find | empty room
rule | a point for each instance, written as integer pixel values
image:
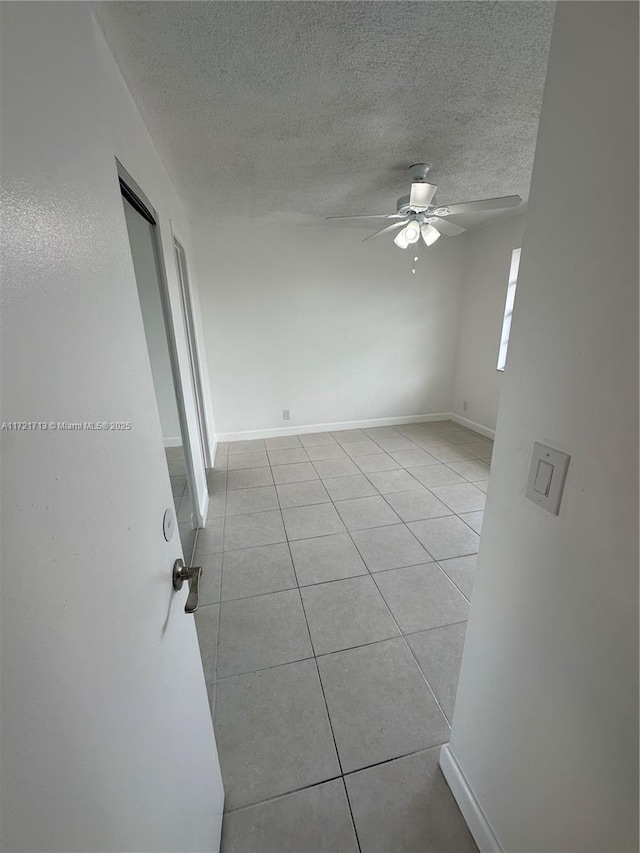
(319, 426)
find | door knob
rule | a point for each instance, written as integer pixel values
(191, 574)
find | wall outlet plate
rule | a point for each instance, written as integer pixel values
(286, 415)
(547, 473)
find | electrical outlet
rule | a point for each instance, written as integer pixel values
(465, 405)
(286, 415)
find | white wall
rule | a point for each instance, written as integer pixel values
(488, 257)
(546, 721)
(317, 322)
(106, 737)
(134, 148)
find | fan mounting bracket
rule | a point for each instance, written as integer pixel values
(419, 171)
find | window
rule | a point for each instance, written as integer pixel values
(508, 308)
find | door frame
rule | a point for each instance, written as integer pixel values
(136, 197)
(189, 317)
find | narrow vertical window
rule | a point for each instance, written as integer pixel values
(508, 308)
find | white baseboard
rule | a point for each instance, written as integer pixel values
(475, 818)
(483, 430)
(172, 441)
(301, 430)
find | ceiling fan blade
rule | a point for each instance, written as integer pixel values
(368, 216)
(386, 230)
(445, 227)
(483, 204)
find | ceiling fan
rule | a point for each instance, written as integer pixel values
(419, 214)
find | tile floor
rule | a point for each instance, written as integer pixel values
(338, 570)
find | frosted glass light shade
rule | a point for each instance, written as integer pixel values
(429, 234)
(400, 240)
(412, 232)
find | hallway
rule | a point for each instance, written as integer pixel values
(338, 570)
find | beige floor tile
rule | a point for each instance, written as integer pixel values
(379, 704)
(273, 733)
(389, 547)
(256, 528)
(366, 512)
(306, 493)
(461, 497)
(243, 501)
(257, 571)
(305, 522)
(445, 537)
(462, 571)
(416, 505)
(346, 613)
(260, 632)
(422, 597)
(405, 806)
(345, 488)
(439, 655)
(326, 558)
(314, 820)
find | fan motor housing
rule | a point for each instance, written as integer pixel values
(419, 171)
(403, 206)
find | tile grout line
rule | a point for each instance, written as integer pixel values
(321, 583)
(403, 468)
(400, 521)
(277, 797)
(393, 617)
(315, 655)
(395, 621)
(357, 530)
(446, 463)
(468, 600)
(324, 698)
(339, 651)
(451, 511)
(343, 777)
(333, 502)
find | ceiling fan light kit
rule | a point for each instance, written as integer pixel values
(429, 233)
(412, 231)
(420, 214)
(400, 240)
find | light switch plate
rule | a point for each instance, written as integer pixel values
(544, 486)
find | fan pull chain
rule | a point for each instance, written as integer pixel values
(415, 261)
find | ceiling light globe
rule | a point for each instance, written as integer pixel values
(429, 234)
(400, 239)
(412, 232)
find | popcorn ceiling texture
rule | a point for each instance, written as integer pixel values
(276, 109)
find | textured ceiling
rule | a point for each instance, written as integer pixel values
(270, 109)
